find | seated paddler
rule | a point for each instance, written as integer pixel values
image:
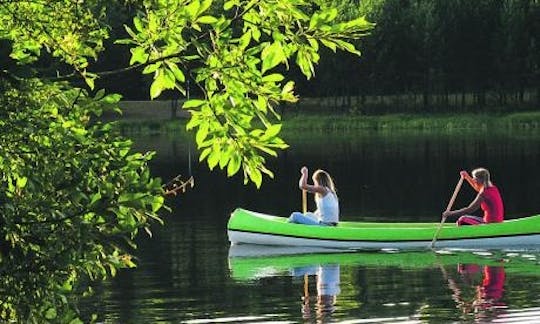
(324, 190)
(488, 199)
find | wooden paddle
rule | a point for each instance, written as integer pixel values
(306, 278)
(450, 203)
(304, 201)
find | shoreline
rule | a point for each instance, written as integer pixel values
(347, 123)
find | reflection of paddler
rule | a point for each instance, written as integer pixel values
(327, 289)
(491, 291)
(328, 281)
(488, 293)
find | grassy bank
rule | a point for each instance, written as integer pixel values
(528, 120)
(351, 123)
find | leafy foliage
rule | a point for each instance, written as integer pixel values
(233, 53)
(73, 195)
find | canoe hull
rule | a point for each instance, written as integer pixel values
(250, 227)
(510, 242)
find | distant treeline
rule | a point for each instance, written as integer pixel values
(439, 55)
(422, 56)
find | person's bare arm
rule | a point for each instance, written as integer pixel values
(303, 184)
(465, 175)
(473, 206)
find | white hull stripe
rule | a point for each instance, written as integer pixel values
(527, 240)
(397, 240)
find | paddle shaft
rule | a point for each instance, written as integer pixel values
(304, 201)
(306, 278)
(454, 195)
(450, 204)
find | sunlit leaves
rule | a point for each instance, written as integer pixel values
(67, 30)
(74, 195)
(239, 49)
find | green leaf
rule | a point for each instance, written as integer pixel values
(204, 6)
(89, 80)
(304, 62)
(314, 44)
(21, 182)
(193, 103)
(229, 4)
(256, 33)
(234, 164)
(275, 77)
(138, 55)
(168, 79)
(130, 197)
(157, 87)
(207, 20)
(194, 121)
(288, 88)
(157, 203)
(226, 156)
(193, 8)
(262, 103)
(51, 314)
(137, 22)
(330, 44)
(95, 197)
(178, 74)
(202, 133)
(78, 321)
(256, 176)
(272, 131)
(266, 150)
(245, 40)
(272, 56)
(204, 153)
(213, 158)
(151, 68)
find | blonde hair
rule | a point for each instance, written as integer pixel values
(482, 175)
(324, 179)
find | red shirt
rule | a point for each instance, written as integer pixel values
(492, 205)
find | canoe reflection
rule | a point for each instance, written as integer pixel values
(476, 279)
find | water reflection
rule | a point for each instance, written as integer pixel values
(486, 283)
(327, 278)
(476, 282)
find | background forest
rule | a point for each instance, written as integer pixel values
(422, 56)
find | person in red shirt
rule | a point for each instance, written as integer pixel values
(488, 199)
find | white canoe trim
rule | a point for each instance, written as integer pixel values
(525, 241)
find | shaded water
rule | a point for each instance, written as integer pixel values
(188, 273)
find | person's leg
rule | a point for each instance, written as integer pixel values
(307, 218)
(469, 220)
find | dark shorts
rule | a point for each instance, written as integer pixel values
(328, 223)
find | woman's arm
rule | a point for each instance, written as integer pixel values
(476, 186)
(303, 185)
(473, 206)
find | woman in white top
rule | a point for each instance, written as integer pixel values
(327, 212)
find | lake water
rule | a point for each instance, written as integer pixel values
(188, 273)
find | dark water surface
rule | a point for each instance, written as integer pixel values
(188, 272)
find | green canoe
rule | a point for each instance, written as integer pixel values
(251, 227)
